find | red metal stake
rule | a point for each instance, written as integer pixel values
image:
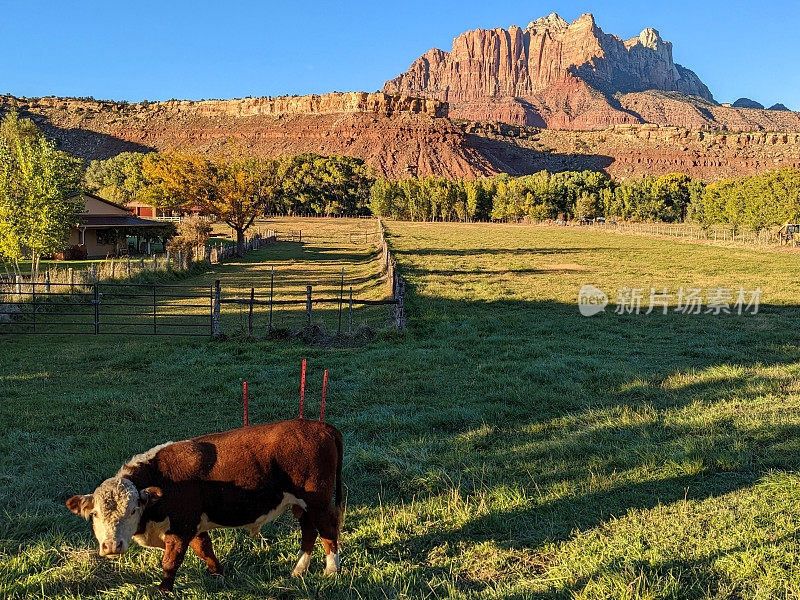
(302, 387)
(324, 387)
(244, 385)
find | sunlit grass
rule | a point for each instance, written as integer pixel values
(505, 447)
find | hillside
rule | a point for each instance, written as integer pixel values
(399, 137)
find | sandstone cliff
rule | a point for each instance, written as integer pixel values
(571, 76)
(518, 62)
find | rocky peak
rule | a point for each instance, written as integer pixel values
(650, 38)
(551, 21)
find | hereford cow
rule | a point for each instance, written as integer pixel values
(171, 496)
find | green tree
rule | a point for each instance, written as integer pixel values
(383, 198)
(14, 129)
(38, 197)
(119, 178)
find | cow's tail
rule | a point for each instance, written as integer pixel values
(338, 500)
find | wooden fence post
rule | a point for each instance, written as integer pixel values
(19, 286)
(250, 316)
(94, 272)
(71, 274)
(215, 324)
(47, 281)
(180, 260)
(155, 262)
(271, 287)
(308, 306)
(400, 308)
(341, 298)
(96, 302)
(350, 316)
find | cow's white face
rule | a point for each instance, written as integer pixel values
(115, 509)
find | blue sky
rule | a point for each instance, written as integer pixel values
(192, 50)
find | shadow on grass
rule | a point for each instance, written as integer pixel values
(578, 420)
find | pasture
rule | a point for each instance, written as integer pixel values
(504, 447)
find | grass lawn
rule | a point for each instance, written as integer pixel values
(505, 447)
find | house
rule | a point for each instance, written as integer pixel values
(142, 209)
(104, 226)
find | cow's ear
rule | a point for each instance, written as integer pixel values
(150, 495)
(81, 505)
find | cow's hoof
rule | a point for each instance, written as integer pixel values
(302, 564)
(332, 563)
(164, 589)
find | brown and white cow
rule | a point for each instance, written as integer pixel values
(171, 496)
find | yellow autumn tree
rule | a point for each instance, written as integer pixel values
(235, 192)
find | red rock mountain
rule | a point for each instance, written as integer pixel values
(569, 76)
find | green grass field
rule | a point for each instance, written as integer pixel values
(504, 447)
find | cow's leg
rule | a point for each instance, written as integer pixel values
(204, 549)
(309, 534)
(327, 524)
(174, 552)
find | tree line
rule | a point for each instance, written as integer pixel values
(755, 202)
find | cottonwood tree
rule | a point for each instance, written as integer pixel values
(38, 194)
(236, 192)
(118, 178)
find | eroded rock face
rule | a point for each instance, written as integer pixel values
(323, 104)
(539, 63)
(519, 62)
(563, 75)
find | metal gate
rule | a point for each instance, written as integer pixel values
(106, 308)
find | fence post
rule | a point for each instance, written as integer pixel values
(350, 316)
(308, 306)
(141, 263)
(19, 286)
(94, 272)
(215, 325)
(96, 303)
(401, 310)
(33, 294)
(271, 287)
(154, 309)
(341, 297)
(250, 316)
(71, 274)
(129, 267)
(47, 281)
